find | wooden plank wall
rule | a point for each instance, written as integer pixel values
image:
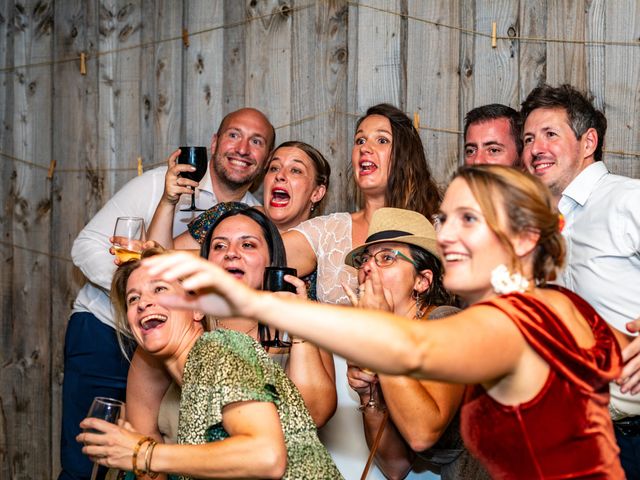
(313, 66)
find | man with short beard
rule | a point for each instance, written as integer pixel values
(93, 363)
(563, 141)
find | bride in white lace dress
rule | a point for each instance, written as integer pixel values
(390, 170)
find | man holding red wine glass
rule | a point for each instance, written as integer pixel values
(93, 363)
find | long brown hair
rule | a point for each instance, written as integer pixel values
(410, 185)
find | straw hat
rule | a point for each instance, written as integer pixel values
(398, 225)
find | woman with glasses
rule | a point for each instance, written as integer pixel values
(399, 270)
(390, 170)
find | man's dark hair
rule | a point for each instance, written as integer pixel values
(581, 113)
(495, 111)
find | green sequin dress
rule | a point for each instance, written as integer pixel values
(226, 366)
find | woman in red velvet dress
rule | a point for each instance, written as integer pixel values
(539, 356)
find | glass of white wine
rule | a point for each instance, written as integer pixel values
(108, 409)
(128, 237)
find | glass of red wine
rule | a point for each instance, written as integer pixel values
(196, 157)
(274, 282)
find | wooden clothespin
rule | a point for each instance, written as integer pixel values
(494, 37)
(185, 37)
(52, 167)
(83, 63)
(416, 120)
(139, 166)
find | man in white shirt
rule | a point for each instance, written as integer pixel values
(94, 365)
(493, 134)
(563, 139)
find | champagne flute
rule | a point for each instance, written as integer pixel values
(196, 157)
(108, 409)
(129, 233)
(274, 282)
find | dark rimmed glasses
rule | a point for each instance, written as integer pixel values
(384, 258)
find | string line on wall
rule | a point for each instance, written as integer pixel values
(33, 250)
(288, 10)
(183, 37)
(493, 35)
(137, 167)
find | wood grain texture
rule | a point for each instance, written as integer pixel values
(319, 88)
(203, 71)
(268, 61)
(622, 67)
(313, 66)
(432, 57)
(119, 27)
(26, 346)
(77, 195)
(566, 61)
(532, 54)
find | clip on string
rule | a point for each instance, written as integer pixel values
(185, 37)
(494, 38)
(83, 63)
(139, 166)
(416, 120)
(52, 167)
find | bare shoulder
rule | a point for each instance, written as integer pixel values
(568, 313)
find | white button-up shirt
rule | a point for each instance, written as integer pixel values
(138, 198)
(602, 233)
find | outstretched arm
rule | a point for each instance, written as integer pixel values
(381, 341)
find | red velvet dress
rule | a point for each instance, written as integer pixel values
(565, 431)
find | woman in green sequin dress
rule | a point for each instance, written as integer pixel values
(240, 415)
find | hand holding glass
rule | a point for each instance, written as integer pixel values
(129, 235)
(274, 282)
(109, 410)
(197, 158)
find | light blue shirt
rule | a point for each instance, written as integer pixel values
(602, 233)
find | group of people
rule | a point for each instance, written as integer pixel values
(520, 369)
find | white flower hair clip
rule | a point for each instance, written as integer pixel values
(503, 281)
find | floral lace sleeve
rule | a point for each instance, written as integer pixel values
(330, 239)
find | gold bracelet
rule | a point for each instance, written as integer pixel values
(148, 455)
(134, 457)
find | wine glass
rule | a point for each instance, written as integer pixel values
(274, 282)
(108, 409)
(129, 234)
(372, 401)
(196, 157)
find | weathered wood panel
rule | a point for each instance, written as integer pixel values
(433, 79)
(203, 71)
(319, 88)
(380, 65)
(76, 194)
(268, 61)
(566, 61)
(312, 65)
(622, 102)
(118, 128)
(26, 362)
(7, 170)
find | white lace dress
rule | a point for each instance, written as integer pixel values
(330, 238)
